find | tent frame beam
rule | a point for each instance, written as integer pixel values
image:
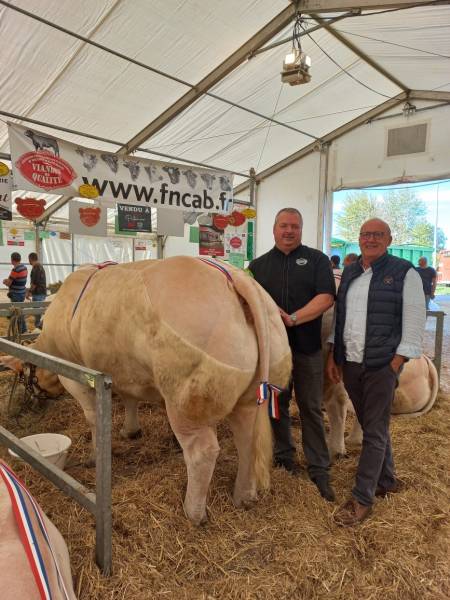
(330, 137)
(323, 6)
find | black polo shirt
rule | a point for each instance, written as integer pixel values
(293, 280)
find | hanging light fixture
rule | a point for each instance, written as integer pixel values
(408, 109)
(297, 63)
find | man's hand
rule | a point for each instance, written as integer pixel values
(28, 294)
(333, 371)
(286, 318)
(397, 362)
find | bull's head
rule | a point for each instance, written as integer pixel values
(36, 379)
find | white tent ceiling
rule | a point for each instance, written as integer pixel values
(50, 76)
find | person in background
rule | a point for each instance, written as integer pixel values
(349, 259)
(335, 265)
(428, 276)
(301, 283)
(38, 285)
(17, 283)
(335, 261)
(379, 325)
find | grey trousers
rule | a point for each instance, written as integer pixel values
(307, 381)
(372, 393)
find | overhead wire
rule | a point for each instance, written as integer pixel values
(268, 129)
(366, 37)
(346, 71)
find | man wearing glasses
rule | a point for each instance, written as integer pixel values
(379, 324)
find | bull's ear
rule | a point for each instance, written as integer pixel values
(12, 362)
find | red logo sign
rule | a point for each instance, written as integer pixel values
(90, 216)
(30, 208)
(220, 221)
(236, 218)
(235, 242)
(45, 170)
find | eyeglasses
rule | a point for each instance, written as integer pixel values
(377, 235)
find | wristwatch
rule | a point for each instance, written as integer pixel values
(293, 317)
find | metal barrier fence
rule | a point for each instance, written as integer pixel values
(438, 338)
(98, 503)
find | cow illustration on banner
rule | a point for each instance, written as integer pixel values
(43, 162)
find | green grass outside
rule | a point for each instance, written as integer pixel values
(442, 290)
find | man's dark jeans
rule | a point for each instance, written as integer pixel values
(307, 381)
(372, 392)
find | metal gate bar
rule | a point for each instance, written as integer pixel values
(99, 504)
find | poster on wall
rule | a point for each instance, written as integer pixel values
(87, 219)
(5, 193)
(211, 236)
(43, 162)
(134, 218)
(15, 237)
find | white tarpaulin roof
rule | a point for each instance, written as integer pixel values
(52, 77)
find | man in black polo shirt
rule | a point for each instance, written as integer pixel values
(300, 281)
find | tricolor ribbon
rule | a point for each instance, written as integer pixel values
(217, 265)
(33, 533)
(269, 392)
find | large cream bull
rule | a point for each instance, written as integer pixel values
(182, 330)
(414, 396)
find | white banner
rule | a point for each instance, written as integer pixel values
(44, 162)
(5, 193)
(87, 219)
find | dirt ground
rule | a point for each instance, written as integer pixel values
(285, 547)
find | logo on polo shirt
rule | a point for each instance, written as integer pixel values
(388, 280)
(301, 261)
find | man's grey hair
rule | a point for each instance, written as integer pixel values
(293, 211)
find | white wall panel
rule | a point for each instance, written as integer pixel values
(296, 186)
(359, 158)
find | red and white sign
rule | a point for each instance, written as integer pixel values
(45, 171)
(87, 219)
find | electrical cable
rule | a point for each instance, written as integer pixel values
(347, 72)
(366, 37)
(268, 129)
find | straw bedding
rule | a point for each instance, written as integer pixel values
(286, 546)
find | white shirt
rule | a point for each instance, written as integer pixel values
(413, 319)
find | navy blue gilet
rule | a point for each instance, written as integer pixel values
(384, 310)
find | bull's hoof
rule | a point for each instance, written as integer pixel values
(338, 456)
(245, 502)
(131, 435)
(196, 519)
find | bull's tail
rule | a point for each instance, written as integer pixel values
(262, 448)
(250, 291)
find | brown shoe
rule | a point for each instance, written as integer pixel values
(351, 513)
(382, 492)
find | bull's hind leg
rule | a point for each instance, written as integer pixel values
(200, 450)
(131, 428)
(242, 422)
(86, 398)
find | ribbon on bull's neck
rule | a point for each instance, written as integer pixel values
(99, 267)
(33, 533)
(269, 392)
